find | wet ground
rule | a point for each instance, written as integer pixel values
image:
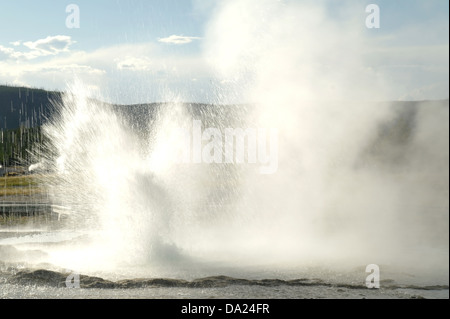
(27, 271)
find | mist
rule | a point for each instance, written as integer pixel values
(358, 180)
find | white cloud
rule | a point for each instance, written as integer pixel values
(177, 39)
(112, 69)
(5, 52)
(134, 63)
(24, 71)
(51, 45)
(73, 68)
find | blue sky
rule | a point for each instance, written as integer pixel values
(150, 50)
(102, 22)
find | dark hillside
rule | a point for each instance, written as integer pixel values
(25, 107)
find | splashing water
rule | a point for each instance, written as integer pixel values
(340, 194)
(125, 187)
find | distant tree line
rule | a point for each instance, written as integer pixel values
(21, 146)
(28, 107)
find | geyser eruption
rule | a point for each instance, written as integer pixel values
(356, 182)
(341, 193)
(103, 177)
(124, 185)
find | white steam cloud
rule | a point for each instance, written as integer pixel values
(358, 181)
(331, 198)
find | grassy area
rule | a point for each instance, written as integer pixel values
(19, 181)
(21, 191)
(35, 220)
(21, 185)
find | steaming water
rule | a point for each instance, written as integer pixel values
(135, 212)
(357, 182)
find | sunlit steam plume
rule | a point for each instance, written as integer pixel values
(357, 181)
